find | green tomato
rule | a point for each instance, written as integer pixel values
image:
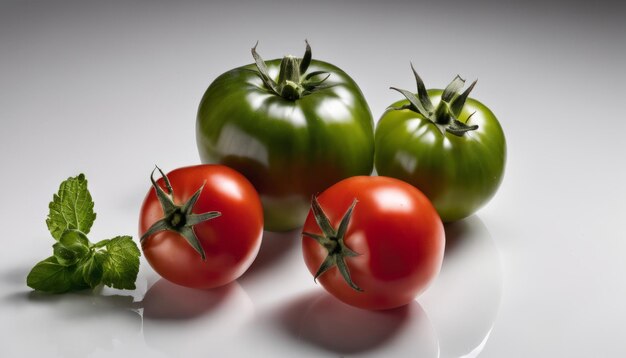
(293, 127)
(446, 144)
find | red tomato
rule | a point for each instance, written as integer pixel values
(388, 249)
(229, 235)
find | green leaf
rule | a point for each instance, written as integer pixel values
(71, 247)
(71, 208)
(101, 243)
(121, 263)
(64, 256)
(77, 264)
(92, 270)
(50, 276)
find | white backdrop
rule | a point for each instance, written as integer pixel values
(99, 86)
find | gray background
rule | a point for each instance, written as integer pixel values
(110, 88)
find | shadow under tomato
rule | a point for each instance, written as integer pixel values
(456, 234)
(180, 321)
(168, 301)
(321, 320)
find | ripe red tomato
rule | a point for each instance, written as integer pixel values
(373, 242)
(209, 234)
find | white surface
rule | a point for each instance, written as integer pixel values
(98, 87)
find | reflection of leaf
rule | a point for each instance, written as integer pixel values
(97, 323)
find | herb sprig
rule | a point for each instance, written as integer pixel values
(76, 263)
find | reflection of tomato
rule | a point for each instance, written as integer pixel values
(373, 242)
(469, 286)
(332, 326)
(229, 241)
(220, 315)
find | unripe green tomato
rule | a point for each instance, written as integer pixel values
(458, 173)
(289, 148)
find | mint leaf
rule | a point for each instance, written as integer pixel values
(71, 208)
(64, 256)
(121, 264)
(76, 263)
(50, 276)
(71, 247)
(91, 270)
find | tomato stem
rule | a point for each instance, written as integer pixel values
(445, 115)
(333, 241)
(178, 218)
(291, 90)
(291, 84)
(289, 70)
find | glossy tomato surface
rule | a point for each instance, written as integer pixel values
(289, 149)
(459, 174)
(395, 231)
(230, 241)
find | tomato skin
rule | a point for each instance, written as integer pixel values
(396, 232)
(230, 241)
(459, 174)
(289, 150)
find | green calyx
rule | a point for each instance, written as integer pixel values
(333, 241)
(178, 218)
(293, 82)
(445, 115)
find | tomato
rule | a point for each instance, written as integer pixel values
(448, 145)
(293, 127)
(201, 226)
(373, 242)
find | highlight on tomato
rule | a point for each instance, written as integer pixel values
(201, 226)
(445, 143)
(292, 126)
(373, 242)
